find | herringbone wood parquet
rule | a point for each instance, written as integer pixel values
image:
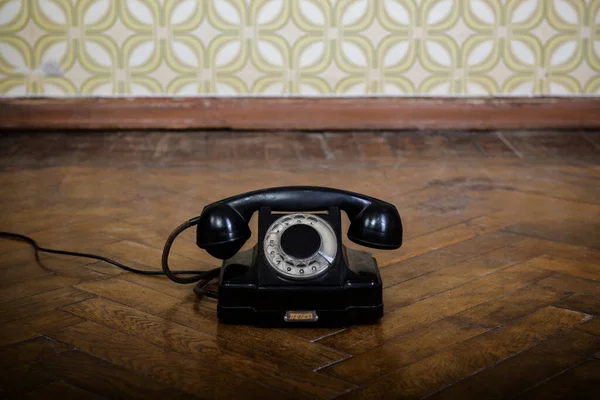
(494, 294)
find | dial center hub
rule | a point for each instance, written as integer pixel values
(300, 241)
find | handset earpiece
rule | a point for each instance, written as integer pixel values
(221, 231)
(377, 226)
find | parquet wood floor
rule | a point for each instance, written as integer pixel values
(494, 294)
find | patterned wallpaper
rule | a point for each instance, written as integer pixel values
(299, 47)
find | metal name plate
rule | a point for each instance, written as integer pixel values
(301, 316)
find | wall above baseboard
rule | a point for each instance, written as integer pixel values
(299, 113)
(300, 48)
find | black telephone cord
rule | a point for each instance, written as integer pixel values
(201, 277)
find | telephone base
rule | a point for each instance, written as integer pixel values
(349, 293)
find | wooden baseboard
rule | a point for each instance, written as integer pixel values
(299, 113)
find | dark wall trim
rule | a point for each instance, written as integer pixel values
(299, 113)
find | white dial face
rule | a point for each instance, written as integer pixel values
(311, 255)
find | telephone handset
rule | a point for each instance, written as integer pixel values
(298, 272)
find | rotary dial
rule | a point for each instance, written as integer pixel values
(300, 246)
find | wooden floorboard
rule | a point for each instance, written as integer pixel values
(241, 359)
(59, 389)
(537, 364)
(494, 294)
(442, 369)
(580, 382)
(104, 378)
(162, 365)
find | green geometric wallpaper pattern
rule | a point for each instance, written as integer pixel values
(299, 47)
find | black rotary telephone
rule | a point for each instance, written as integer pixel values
(299, 272)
